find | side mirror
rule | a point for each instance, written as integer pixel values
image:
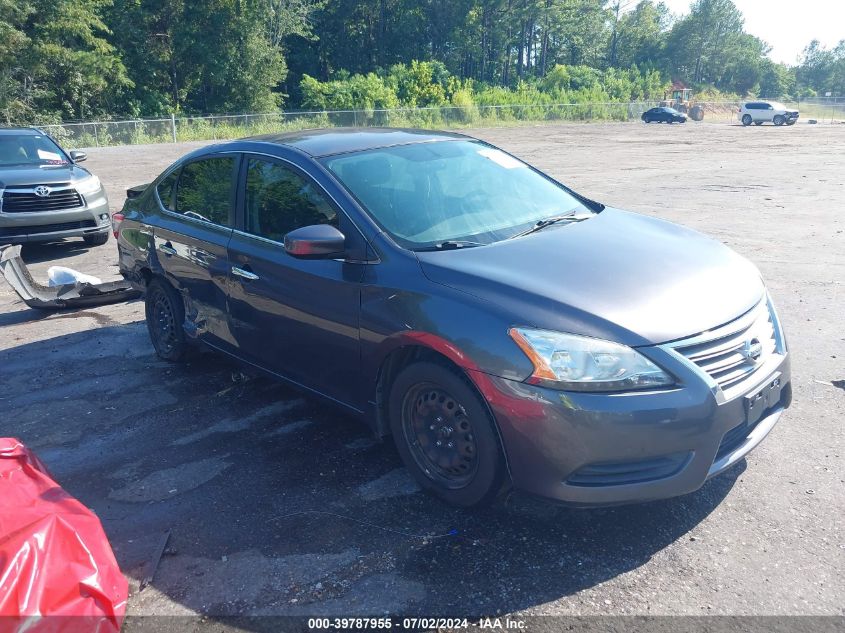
(319, 241)
(77, 156)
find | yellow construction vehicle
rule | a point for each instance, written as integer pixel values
(679, 96)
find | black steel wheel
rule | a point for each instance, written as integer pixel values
(440, 435)
(165, 314)
(445, 435)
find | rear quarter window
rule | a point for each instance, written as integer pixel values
(166, 188)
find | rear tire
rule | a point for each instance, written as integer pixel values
(778, 120)
(445, 435)
(98, 239)
(746, 120)
(165, 312)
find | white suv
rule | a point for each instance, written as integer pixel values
(759, 112)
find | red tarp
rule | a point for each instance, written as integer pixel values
(55, 559)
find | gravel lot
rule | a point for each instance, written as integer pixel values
(278, 504)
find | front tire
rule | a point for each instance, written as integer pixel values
(778, 120)
(98, 239)
(165, 312)
(445, 435)
(746, 120)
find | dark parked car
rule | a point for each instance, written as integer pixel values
(503, 328)
(45, 195)
(664, 115)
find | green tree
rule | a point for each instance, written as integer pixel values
(640, 36)
(15, 99)
(701, 44)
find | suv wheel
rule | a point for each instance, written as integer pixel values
(778, 120)
(98, 239)
(165, 313)
(445, 435)
(746, 119)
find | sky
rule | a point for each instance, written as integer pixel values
(786, 25)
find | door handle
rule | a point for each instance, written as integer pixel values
(167, 249)
(246, 274)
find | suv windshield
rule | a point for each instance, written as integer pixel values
(30, 149)
(426, 194)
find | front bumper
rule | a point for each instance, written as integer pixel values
(46, 226)
(606, 449)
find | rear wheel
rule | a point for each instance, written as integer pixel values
(98, 239)
(746, 119)
(165, 312)
(445, 435)
(778, 120)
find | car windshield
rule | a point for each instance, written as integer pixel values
(428, 194)
(30, 149)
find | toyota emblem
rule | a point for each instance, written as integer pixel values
(41, 191)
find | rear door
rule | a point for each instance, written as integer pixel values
(191, 240)
(295, 317)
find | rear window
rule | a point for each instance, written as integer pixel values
(205, 190)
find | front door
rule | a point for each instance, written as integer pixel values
(191, 241)
(295, 317)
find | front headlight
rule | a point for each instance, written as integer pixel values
(580, 363)
(89, 185)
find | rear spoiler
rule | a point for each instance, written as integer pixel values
(76, 295)
(136, 191)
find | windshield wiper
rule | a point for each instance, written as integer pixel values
(450, 245)
(541, 224)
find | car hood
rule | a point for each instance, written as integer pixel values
(618, 275)
(44, 175)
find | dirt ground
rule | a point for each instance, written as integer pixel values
(278, 504)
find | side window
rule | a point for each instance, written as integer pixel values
(279, 200)
(205, 190)
(166, 188)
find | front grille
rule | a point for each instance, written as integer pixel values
(24, 202)
(724, 353)
(15, 231)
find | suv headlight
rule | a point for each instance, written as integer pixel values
(580, 363)
(89, 185)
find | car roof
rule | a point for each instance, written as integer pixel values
(325, 142)
(18, 130)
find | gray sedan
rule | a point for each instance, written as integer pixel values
(504, 329)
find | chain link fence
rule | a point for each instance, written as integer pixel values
(176, 129)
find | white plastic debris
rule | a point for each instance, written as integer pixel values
(59, 276)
